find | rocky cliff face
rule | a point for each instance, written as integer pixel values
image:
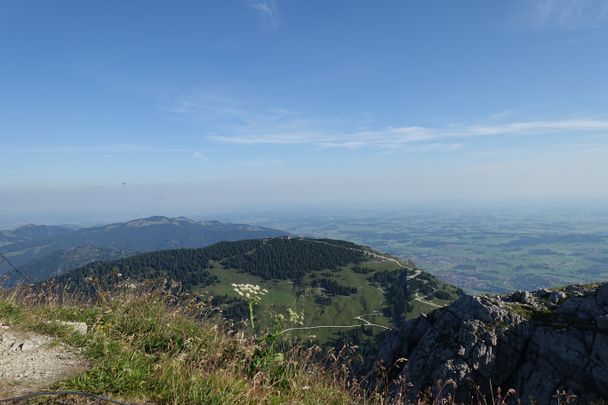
(535, 342)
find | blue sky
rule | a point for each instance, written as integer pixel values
(199, 105)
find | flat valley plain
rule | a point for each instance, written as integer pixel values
(479, 250)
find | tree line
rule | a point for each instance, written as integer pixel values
(278, 258)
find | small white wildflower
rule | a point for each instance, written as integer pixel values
(252, 293)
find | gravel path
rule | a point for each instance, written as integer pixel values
(31, 362)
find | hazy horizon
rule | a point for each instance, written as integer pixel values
(263, 214)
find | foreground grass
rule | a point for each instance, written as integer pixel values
(147, 346)
(142, 348)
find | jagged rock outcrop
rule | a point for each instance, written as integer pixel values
(535, 342)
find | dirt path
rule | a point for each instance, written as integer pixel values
(415, 274)
(379, 256)
(31, 362)
(423, 300)
(368, 323)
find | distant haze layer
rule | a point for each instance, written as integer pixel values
(566, 179)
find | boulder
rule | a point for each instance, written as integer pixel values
(79, 327)
(523, 297)
(556, 297)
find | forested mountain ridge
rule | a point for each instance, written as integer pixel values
(270, 259)
(330, 281)
(45, 243)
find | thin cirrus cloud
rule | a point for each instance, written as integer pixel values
(432, 137)
(199, 156)
(565, 15)
(267, 10)
(257, 163)
(107, 148)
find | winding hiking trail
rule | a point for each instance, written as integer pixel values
(31, 362)
(414, 274)
(424, 301)
(399, 263)
(368, 323)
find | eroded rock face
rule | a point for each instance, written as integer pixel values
(535, 342)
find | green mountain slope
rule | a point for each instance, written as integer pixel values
(334, 283)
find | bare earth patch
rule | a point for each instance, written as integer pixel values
(31, 362)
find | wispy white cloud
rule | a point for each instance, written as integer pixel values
(237, 120)
(565, 14)
(100, 149)
(268, 11)
(257, 163)
(225, 114)
(431, 137)
(199, 156)
(500, 115)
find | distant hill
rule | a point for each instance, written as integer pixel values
(45, 243)
(31, 231)
(62, 261)
(331, 281)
